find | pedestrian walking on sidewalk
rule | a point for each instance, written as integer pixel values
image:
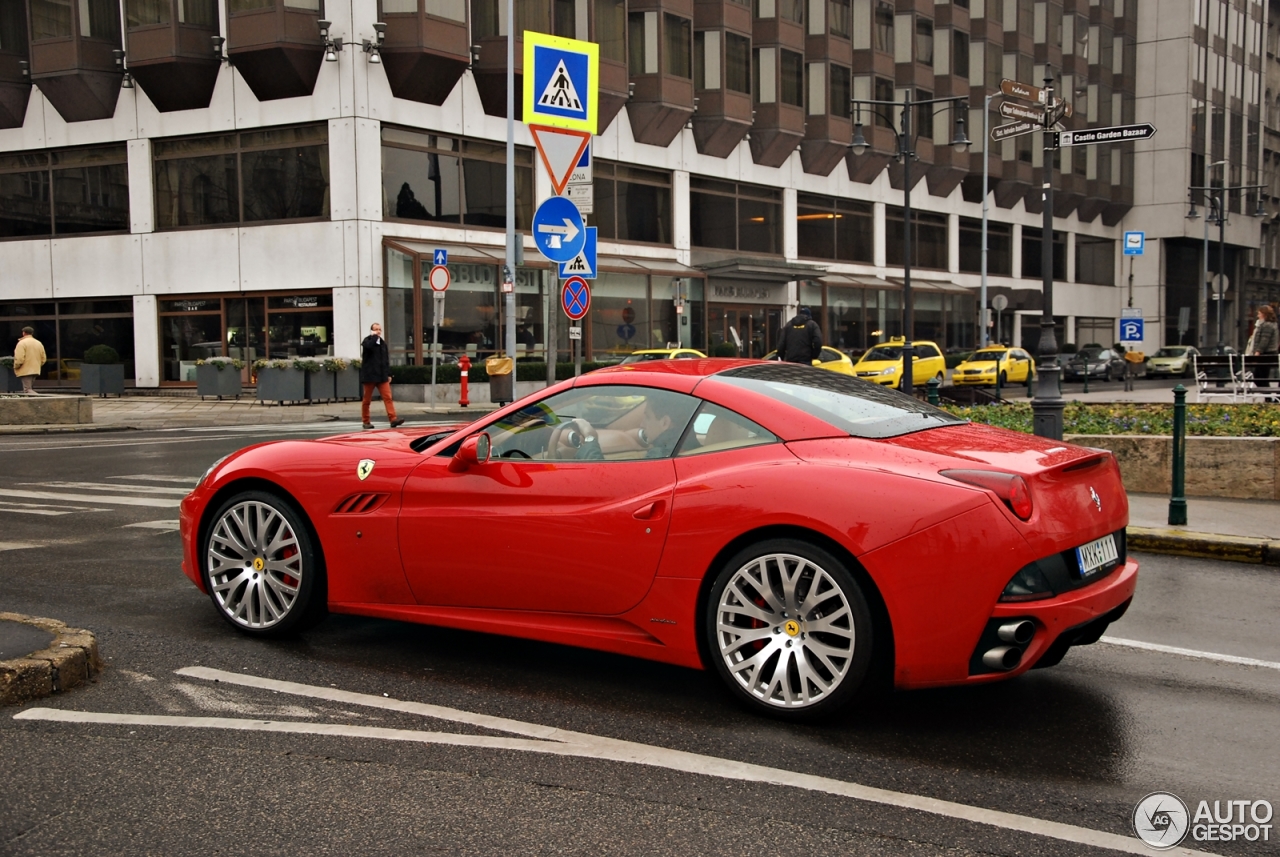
(1265, 341)
(375, 371)
(28, 359)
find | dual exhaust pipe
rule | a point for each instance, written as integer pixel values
(1015, 635)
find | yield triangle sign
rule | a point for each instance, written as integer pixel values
(561, 149)
(560, 91)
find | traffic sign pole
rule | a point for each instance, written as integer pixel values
(1048, 404)
(437, 312)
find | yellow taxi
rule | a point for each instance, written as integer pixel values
(882, 364)
(647, 354)
(832, 360)
(1012, 364)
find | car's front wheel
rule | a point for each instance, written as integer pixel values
(789, 630)
(261, 566)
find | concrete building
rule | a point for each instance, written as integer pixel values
(264, 178)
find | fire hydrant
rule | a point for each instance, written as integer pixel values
(464, 363)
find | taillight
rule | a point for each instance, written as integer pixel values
(1009, 487)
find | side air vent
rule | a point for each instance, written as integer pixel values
(359, 504)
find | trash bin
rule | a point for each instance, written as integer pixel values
(501, 379)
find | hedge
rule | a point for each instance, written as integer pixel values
(449, 373)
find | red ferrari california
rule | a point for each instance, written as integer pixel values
(807, 535)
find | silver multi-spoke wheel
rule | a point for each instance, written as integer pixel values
(788, 627)
(256, 564)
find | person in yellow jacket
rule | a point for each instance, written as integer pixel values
(28, 359)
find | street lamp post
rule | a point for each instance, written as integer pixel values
(1048, 404)
(906, 154)
(1217, 197)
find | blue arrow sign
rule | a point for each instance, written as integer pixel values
(442, 257)
(1131, 330)
(1134, 243)
(626, 331)
(558, 230)
(584, 264)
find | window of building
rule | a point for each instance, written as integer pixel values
(64, 192)
(884, 92)
(884, 26)
(611, 29)
(642, 42)
(924, 115)
(999, 247)
(838, 12)
(733, 216)
(834, 228)
(67, 329)
(632, 204)
(792, 77)
(840, 91)
(928, 238)
(737, 63)
(253, 176)
(924, 41)
(1095, 260)
(678, 43)
(452, 180)
(1032, 250)
(960, 53)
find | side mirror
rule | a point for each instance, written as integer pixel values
(474, 450)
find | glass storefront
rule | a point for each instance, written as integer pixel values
(67, 329)
(854, 318)
(248, 328)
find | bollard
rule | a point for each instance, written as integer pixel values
(1178, 502)
(997, 380)
(464, 364)
(931, 391)
(1086, 376)
(1030, 376)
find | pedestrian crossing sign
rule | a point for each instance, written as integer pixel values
(584, 264)
(561, 81)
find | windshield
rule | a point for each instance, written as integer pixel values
(851, 405)
(987, 355)
(1088, 354)
(1171, 352)
(884, 352)
(640, 357)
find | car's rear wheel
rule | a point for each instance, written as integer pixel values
(261, 566)
(789, 630)
(1107, 375)
(1004, 379)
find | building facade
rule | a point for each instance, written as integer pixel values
(263, 179)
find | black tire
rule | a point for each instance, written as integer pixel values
(836, 654)
(1107, 377)
(1004, 379)
(269, 580)
(1186, 373)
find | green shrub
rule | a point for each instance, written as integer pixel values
(724, 349)
(1203, 420)
(101, 355)
(1069, 348)
(954, 360)
(449, 373)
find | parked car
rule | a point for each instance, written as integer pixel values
(1096, 363)
(646, 354)
(639, 511)
(832, 359)
(882, 364)
(1011, 365)
(1173, 360)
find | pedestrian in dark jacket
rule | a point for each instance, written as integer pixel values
(375, 371)
(801, 339)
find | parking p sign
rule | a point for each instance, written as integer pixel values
(1131, 327)
(1134, 243)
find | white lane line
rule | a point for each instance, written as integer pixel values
(547, 739)
(17, 546)
(1191, 653)
(141, 477)
(107, 486)
(44, 509)
(158, 502)
(155, 525)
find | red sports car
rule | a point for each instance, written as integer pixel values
(809, 536)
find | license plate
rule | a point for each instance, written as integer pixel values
(1096, 554)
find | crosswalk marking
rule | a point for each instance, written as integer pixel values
(103, 486)
(118, 500)
(180, 480)
(17, 546)
(46, 509)
(155, 525)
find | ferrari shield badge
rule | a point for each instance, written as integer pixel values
(364, 468)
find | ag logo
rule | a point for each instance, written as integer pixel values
(792, 628)
(1160, 820)
(364, 468)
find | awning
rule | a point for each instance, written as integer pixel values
(931, 284)
(495, 254)
(861, 280)
(753, 268)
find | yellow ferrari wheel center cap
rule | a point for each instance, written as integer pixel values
(792, 628)
(259, 565)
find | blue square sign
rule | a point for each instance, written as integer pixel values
(1134, 243)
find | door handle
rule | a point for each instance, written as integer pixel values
(650, 511)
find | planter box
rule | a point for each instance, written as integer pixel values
(282, 385)
(212, 381)
(447, 395)
(1244, 468)
(102, 379)
(9, 382)
(45, 410)
(346, 384)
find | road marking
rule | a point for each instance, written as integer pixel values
(159, 502)
(547, 739)
(44, 509)
(155, 525)
(106, 486)
(1190, 653)
(181, 480)
(17, 546)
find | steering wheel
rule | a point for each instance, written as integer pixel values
(560, 435)
(515, 453)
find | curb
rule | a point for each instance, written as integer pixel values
(1204, 545)
(71, 659)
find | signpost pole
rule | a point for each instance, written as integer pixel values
(983, 337)
(509, 314)
(437, 311)
(1048, 404)
(908, 316)
(553, 342)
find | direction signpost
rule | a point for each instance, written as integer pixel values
(1013, 129)
(439, 280)
(1112, 134)
(558, 229)
(1014, 110)
(1025, 91)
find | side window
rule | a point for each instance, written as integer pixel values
(716, 428)
(829, 355)
(613, 422)
(931, 351)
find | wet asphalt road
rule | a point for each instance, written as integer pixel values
(1079, 744)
